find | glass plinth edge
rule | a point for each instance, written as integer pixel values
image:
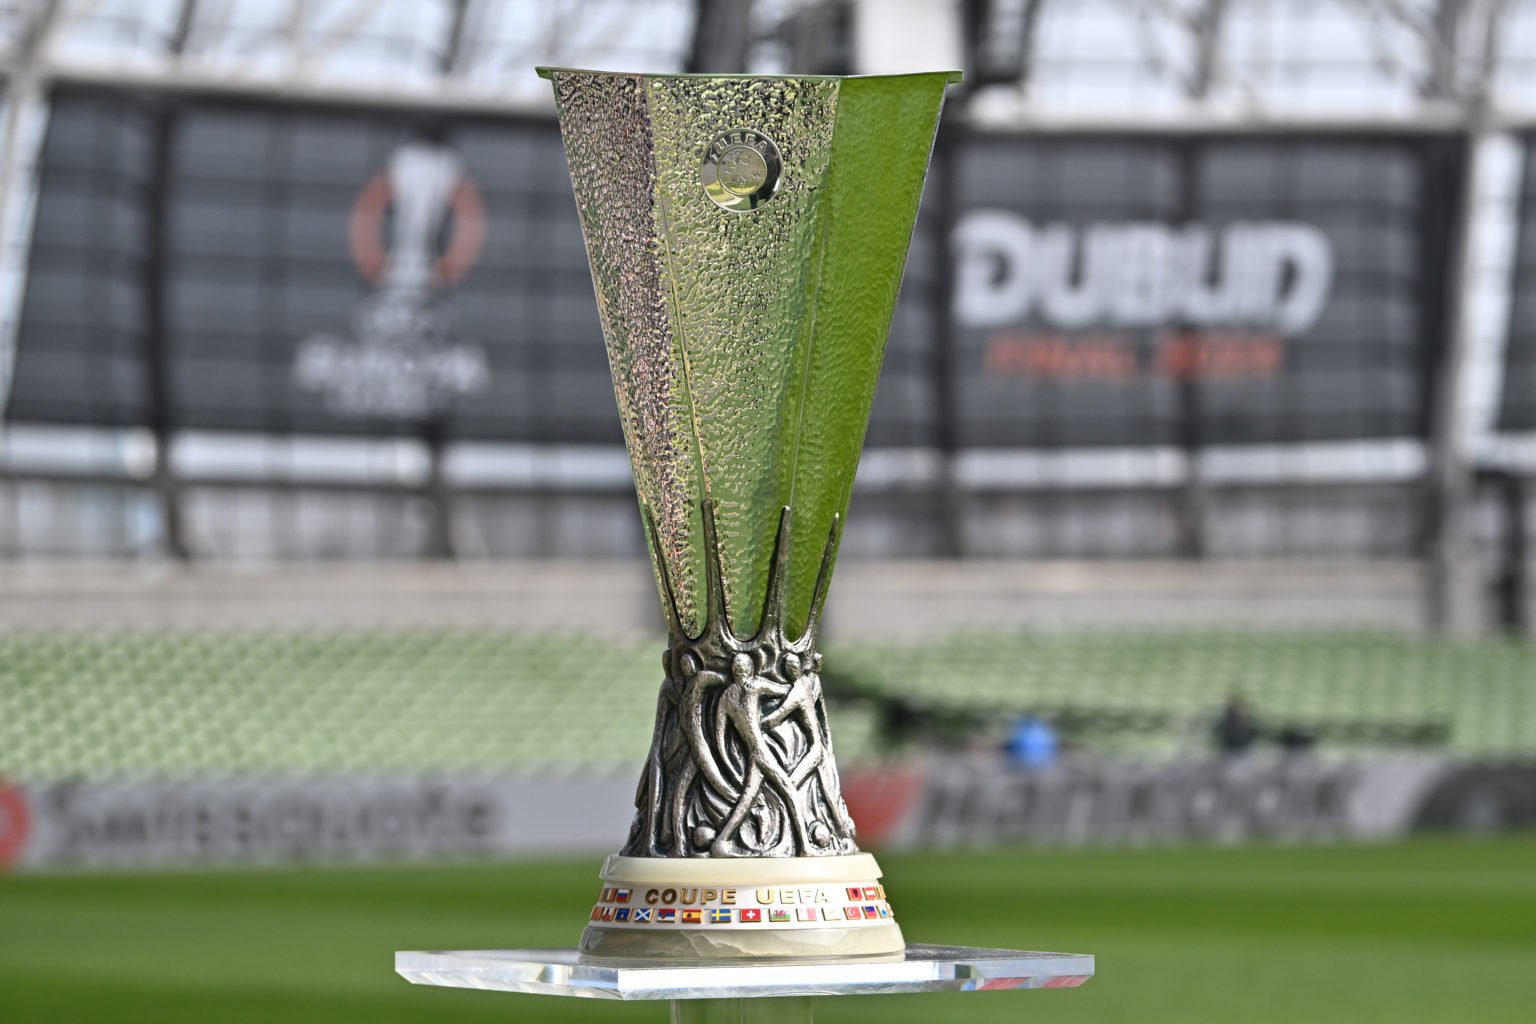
(567, 972)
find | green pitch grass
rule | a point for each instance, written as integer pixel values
(1427, 931)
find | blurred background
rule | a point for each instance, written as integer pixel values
(1185, 611)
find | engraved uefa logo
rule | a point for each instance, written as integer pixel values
(741, 170)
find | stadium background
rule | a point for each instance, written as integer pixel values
(1214, 373)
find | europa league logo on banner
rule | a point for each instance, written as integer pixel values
(416, 229)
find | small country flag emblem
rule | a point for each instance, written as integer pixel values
(622, 896)
(832, 913)
(805, 913)
(885, 910)
(640, 915)
(622, 914)
(853, 913)
(666, 915)
(607, 913)
(720, 915)
(693, 915)
(855, 893)
(751, 915)
(871, 912)
(597, 913)
(607, 895)
(871, 892)
(778, 915)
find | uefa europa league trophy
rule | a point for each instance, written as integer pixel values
(747, 237)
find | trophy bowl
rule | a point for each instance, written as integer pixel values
(747, 236)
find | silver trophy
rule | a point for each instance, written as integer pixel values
(747, 237)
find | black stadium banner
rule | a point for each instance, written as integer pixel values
(321, 270)
(1517, 409)
(1198, 290)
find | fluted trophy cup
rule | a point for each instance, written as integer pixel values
(747, 236)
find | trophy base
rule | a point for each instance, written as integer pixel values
(716, 909)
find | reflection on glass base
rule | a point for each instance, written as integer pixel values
(567, 972)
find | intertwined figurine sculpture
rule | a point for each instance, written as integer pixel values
(741, 764)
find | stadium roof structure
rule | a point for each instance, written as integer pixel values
(450, 53)
(1118, 61)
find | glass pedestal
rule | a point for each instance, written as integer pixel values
(738, 992)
